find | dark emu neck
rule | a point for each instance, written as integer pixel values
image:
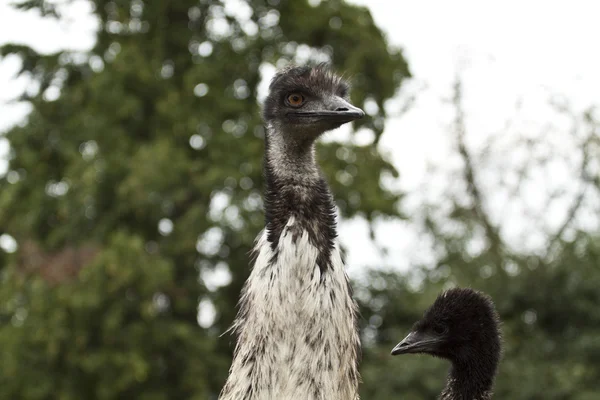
(470, 381)
(295, 188)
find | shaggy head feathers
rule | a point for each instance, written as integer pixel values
(462, 325)
(467, 322)
(319, 82)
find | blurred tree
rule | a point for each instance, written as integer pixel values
(137, 177)
(547, 296)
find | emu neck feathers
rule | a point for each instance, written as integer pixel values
(297, 336)
(291, 159)
(469, 381)
(296, 327)
(295, 189)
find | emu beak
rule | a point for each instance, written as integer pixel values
(336, 110)
(416, 342)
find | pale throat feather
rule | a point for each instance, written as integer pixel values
(293, 160)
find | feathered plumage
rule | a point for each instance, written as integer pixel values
(296, 329)
(461, 326)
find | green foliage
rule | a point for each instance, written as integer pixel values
(102, 333)
(158, 127)
(551, 327)
(547, 298)
(153, 126)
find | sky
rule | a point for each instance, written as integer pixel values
(507, 53)
(511, 56)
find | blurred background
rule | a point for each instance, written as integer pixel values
(130, 185)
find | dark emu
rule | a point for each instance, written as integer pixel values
(461, 326)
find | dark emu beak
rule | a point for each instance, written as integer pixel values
(415, 342)
(337, 109)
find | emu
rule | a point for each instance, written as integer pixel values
(296, 327)
(461, 326)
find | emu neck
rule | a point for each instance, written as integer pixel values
(291, 160)
(470, 380)
(296, 190)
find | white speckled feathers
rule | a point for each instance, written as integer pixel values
(297, 336)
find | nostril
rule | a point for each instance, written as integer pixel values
(341, 109)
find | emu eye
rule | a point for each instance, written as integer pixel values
(295, 99)
(440, 329)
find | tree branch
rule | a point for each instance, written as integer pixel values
(491, 231)
(585, 179)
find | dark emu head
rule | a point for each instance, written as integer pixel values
(461, 326)
(304, 102)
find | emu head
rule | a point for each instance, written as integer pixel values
(305, 102)
(462, 326)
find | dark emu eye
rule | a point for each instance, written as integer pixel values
(440, 329)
